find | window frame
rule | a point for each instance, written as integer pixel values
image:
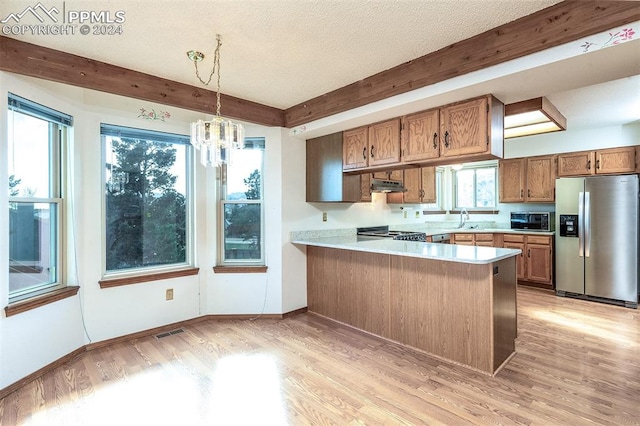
(221, 174)
(166, 137)
(475, 166)
(58, 144)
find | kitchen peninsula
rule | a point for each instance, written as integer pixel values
(457, 303)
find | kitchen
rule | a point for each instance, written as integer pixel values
(290, 213)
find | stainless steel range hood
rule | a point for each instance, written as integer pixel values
(381, 185)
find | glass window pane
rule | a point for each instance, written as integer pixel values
(146, 203)
(33, 241)
(242, 233)
(486, 187)
(243, 175)
(29, 156)
(464, 185)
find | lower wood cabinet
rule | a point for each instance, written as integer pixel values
(535, 264)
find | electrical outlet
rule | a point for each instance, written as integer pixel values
(417, 214)
(405, 214)
(324, 216)
(169, 294)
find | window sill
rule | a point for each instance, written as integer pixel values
(41, 300)
(492, 211)
(239, 269)
(117, 282)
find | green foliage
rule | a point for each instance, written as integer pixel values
(145, 216)
(243, 222)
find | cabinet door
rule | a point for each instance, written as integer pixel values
(429, 192)
(384, 143)
(365, 187)
(539, 263)
(511, 180)
(576, 164)
(463, 239)
(464, 128)
(616, 160)
(541, 179)
(520, 263)
(355, 149)
(420, 138)
(413, 184)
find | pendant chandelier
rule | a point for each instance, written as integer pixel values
(214, 138)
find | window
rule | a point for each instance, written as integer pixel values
(241, 204)
(475, 187)
(37, 136)
(147, 201)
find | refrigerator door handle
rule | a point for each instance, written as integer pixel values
(587, 224)
(581, 224)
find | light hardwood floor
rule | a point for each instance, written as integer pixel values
(577, 363)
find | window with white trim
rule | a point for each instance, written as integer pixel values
(147, 200)
(37, 138)
(241, 239)
(475, 187)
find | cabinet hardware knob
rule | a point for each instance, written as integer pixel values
(588, 164)
(597, 164)
(529, 193)
(435, 140)
(446, 139)
(364, 153)
(529, 253)
(371, 151)
(521, 193)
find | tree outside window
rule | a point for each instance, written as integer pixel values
(146, 202)
(242, 207)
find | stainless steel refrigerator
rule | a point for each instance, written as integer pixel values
(597, 238)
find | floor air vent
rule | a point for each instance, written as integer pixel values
(169, 333)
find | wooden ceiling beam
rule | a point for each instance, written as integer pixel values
(559, 24)
(36, 61)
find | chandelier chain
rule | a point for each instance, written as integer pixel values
(216, 64)
(200, 78)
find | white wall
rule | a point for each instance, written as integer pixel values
(31, 340)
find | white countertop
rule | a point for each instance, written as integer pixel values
(435, 251)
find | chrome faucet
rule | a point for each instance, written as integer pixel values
(464, 216)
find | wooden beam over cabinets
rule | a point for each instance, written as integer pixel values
(49, 64)
(559, 24)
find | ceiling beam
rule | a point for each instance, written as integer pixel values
(36, 61)
(559, 24)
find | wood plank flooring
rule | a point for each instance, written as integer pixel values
(577, 363)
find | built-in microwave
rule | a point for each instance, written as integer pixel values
(534, 221)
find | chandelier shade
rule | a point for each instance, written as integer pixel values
(218, 137)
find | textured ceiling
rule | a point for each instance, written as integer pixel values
(276, 52)
(284, 52)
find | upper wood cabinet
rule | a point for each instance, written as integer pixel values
(512, 180)
(604, 161)
(384, 143)
(371, 146)
(528, 180)
(325, 181)
(616, 160)
(420, 184)
(420, 138)
(472, 129)
(541, 179)
(355, 147)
